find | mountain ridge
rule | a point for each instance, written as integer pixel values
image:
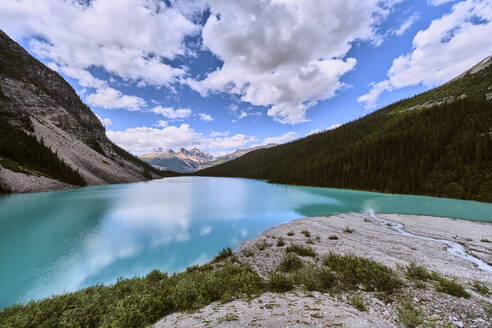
(188, 161)
(49, 139)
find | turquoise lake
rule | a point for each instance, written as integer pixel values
(63, 241)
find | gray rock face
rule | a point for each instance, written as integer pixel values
(36, 100)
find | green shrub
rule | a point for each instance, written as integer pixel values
(485, 240)
(358, 303)
(301, 250)
(451, 287)
(313, 278)
(280, 242)
(280, 282)
(136, 302)
(353, 271)
(481, 288)
(348, 230)
(417, 272)
(290, 233)
(223, 254)
(333, 237)
(309, 241)
(306, 233)
(291, 263)
(262, 244)
(409, 315)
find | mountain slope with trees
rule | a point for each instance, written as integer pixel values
(49, 139)
(437, 143)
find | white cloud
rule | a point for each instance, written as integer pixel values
(407, 24)
(205, 117)
(285, 54)
(140, 140)
(205, 230)
(104, 121)
(162, 124)
(438, 2)
(128, 38)
(171, 113)
(110, 98)
(334, 126)
(449, 46)
(286, 137)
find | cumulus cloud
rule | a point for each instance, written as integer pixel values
(438, 2)
(205, 117)
(285, 55)
(110, 98)
(140, 140)
(407, 24)
(171, 113)
(286, 137)
(128, 38)
(449, 46)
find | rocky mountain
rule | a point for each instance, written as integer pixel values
(437, 143)
(183, 161)
(186, 161)
(236, 154)
(49, 139)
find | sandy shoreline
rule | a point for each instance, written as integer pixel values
(371, 239)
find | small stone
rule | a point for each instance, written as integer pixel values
(458, 324)
(434, 317)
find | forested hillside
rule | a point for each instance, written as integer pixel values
(438, 143)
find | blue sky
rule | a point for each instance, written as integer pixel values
(221, 75)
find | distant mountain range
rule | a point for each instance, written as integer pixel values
(186, 161)
(437, 143)
(49, 139)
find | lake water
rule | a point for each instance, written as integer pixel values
(63, 241)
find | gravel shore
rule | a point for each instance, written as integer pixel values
(365, 236)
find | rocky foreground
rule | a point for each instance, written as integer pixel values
(439, 288)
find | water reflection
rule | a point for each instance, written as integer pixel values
(63, 241)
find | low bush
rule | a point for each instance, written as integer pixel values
(290, 263)
(306, 233)
(416, 272)
(353, 271)
(451, 287)
(223, 254)
(301, 250)
(280, 282)
(137, 302)
(409, 314)
(280, 242)
(333, 237)
(358, 303)
(481, 288)
(290, 233)
(348, 230)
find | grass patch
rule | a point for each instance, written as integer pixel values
(358, 303)
(481, 288)
(348, 230)
(310, 241)
(290, 233)
(367, 220)
(228, 318)
(137, 302)
(409, 314)
(485, 240)
(451, 287)
(223, 254)
(280, 242)
(313, 278)
(333, 237)
(306, 233)
(353, 271)
(290, 263)
(301, 250)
